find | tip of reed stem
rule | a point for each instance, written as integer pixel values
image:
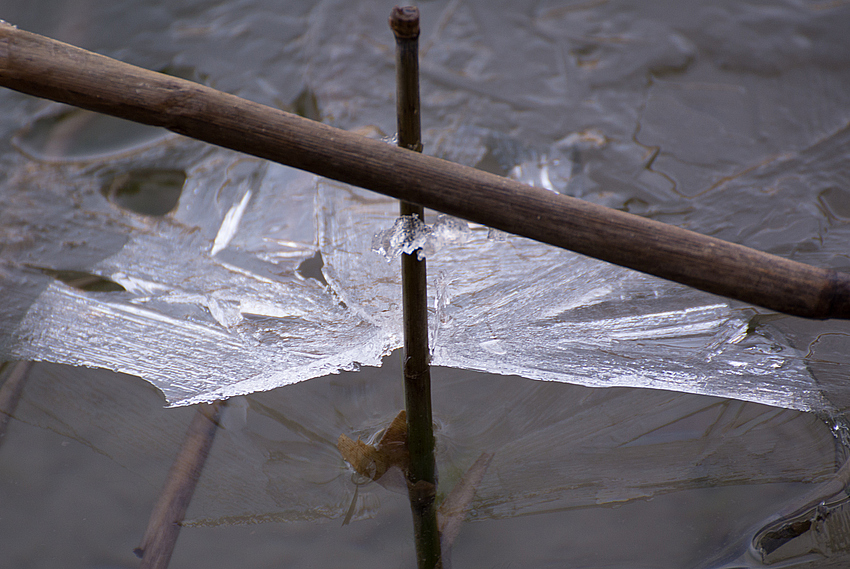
(404, 22)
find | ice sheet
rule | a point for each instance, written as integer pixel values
(214, 304)
(517, 307)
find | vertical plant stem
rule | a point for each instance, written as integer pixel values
(417, 376)
(164, 524)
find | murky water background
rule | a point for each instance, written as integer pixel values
(729, 119)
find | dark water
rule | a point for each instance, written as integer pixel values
(611, 476)
(730, 119)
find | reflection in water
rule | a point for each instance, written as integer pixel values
(559, 450)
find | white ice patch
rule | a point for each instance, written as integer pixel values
(214, 305)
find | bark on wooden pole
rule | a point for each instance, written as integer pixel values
(46, 68)
(422, 472)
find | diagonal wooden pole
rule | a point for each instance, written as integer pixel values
(39, 66)
(422, 472)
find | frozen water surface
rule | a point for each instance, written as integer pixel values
(730, 119)
(211, 308)
(214, 304)
(517, 307)
(614, 107)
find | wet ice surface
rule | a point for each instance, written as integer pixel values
(513, 306)
(214, 304)
(211, 309)
(729, 119)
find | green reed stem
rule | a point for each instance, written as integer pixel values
(415, 360)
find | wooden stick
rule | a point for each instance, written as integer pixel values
(422, 472)
(46, 68)
(170, 509)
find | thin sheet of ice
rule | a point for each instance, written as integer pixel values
(215, 306)
(214, 303)
(514, 306)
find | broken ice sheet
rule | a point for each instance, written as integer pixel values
(214, 304)
(213, 309)
(520, 307)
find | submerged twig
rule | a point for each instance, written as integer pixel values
(372, 462)
(10, 392)
(168, 513)
(422, 473)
